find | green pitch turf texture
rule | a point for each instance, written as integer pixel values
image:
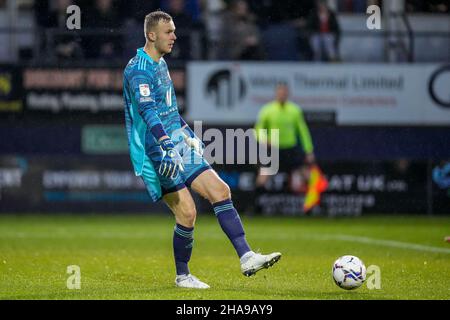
(130, 257)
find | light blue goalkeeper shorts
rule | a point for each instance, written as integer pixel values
(158, 185)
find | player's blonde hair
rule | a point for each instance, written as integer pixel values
(152, 20)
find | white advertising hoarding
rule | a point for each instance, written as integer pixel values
(359, 94)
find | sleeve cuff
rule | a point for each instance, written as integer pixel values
(158, 131)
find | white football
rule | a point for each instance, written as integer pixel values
(349, 272)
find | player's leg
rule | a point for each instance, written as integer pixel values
(177, 197)
(209, 185)
(316, 45)
(183, 207)
(179, 200)
(329, 41)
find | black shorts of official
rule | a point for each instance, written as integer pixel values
(290, 159)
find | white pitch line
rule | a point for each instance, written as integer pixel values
(386, 243)
(308, 236)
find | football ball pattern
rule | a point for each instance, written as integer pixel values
(349, 272)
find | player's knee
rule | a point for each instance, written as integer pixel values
(222, 192)
(188, 216)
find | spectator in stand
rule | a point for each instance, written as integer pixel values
(240, 37)
(212, 16)
(184, 23)
(434, 6)
(191, 8)
(132, 13)
(136, 10)
(325, 31)
(355, 6)
(105, 18)
(185, 29)
(285, 20)
(51, 17)
(272, 11)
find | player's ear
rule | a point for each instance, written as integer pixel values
(151, 36)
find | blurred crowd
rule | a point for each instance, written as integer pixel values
(206, 29)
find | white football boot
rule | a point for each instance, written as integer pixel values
(189, 281)
(252, 262)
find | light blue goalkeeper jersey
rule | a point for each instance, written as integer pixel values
(149, 100)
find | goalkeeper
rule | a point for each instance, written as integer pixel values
(168, 156)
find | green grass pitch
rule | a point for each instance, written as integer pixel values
(130, 257)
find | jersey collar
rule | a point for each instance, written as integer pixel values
(143, 54)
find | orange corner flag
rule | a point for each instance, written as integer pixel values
(316, 185)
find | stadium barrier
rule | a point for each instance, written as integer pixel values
(107, 184)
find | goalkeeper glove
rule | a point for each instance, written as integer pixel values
(192, 141)
(171, 162)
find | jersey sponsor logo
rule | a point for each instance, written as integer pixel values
(144, 90)
(146, 99)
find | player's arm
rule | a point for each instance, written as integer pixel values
(144, 95)
(169, 162)
(305, 138)
(262, 127)
(191, 138)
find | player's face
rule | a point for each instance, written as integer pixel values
(165, 36)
